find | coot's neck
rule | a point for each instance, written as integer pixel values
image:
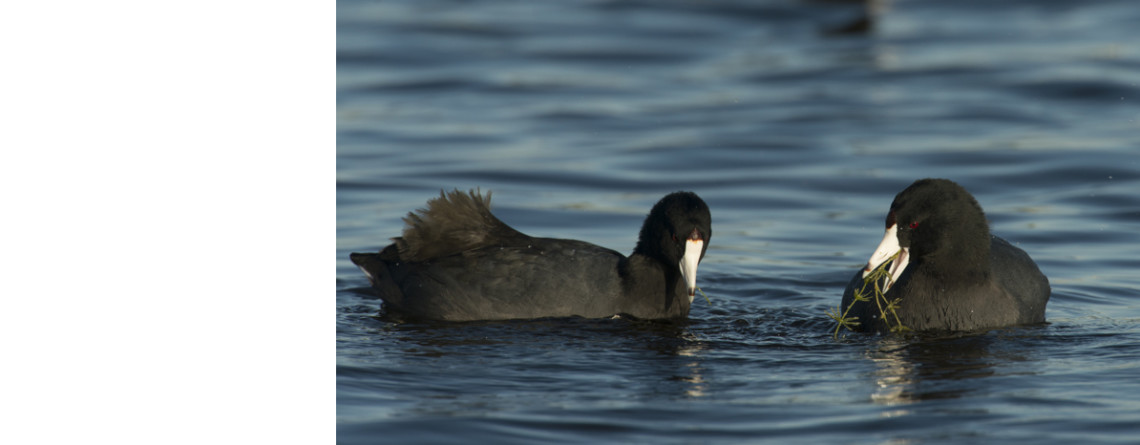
(651, 288)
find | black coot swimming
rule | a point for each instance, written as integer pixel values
(457, 262)
(951, 273)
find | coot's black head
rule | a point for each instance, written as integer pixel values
(937, 214)
(677, 233)
(935, 222)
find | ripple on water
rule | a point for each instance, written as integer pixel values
(580, 115)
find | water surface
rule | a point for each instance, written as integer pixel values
(579, 115)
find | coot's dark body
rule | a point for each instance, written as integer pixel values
(458, 262)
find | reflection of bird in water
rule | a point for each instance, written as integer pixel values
(864, 23)
(893, 374)
(861, 25)
(928, 368)
(696, 381)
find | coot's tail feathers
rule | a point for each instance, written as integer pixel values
(369, 263)
(452, 223)
(375, 266)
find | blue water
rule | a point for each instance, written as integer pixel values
(579, 115)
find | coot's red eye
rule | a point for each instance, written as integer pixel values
(914, 225)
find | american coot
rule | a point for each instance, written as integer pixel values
(456, 261)
(951, 273)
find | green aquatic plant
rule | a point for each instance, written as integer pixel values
(887, 308)
(706, 296)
